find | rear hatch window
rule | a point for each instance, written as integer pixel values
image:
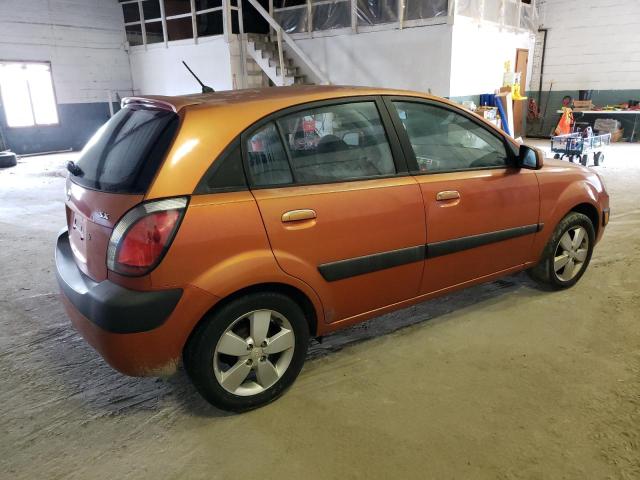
(125, 154)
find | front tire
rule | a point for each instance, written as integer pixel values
(566, 256)
(247, 353)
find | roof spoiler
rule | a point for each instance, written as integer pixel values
(149, 102)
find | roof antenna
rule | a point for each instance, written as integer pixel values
(205, 88)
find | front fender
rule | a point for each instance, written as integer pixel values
(556, 201)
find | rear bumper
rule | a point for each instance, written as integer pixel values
(137, 333)
(111, 307)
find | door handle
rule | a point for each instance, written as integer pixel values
(447, 195)
(297, 215)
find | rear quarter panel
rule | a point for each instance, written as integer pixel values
(222, 247)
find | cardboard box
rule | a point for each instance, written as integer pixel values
(616, 135)
(488, 113)
(582, 105)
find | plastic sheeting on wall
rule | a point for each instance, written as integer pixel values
(330, 14)
(292, 20)
(527, 17)
(422, 9)
(511, 17)
(468, 8)
(374, 12)
(492, 10)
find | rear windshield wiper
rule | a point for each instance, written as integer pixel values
(74, 169)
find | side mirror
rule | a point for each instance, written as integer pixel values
(530, 157)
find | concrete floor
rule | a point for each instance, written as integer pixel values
(502, 381)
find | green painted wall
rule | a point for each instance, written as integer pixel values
(547, 124)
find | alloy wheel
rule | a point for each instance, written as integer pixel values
(571, 253)
(254, 352)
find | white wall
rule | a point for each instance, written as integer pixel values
(591, 44)
(83, 40)
(479, 53)
(413, 58)
(159, 70)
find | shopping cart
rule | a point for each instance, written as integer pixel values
(577, 147)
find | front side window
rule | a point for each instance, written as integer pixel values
(444, 140)
(27, 94)
(337, 143)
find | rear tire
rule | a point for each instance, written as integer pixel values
(234, 372)
(566, 256)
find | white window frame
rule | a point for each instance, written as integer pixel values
(193, 14)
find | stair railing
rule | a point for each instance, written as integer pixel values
(281, 37)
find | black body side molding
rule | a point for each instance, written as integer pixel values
(446, 247)
(352, 267)
(370, 263)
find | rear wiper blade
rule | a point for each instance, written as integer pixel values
(74, 169)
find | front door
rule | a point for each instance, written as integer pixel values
(340, 210)
(482, 212)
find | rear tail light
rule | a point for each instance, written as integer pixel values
(143, 235)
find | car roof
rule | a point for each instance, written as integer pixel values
(278, 97)
(212, 121)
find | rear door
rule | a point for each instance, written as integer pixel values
(113, 172)
(340, 209)
(482, 212)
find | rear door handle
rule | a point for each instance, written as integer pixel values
(447, 195)
(297, 215)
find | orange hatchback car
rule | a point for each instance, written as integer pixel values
(226, 229)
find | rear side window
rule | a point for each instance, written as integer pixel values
(125, 153)
(267, 159)
(226, 174)
(337, 143)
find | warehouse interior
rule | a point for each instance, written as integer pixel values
(504, 379)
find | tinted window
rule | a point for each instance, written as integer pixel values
(267, 159)
(226, 173)
(444, 140)
(338, 142)
(125, 152)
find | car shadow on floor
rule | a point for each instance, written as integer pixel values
(98, 390)
(427, 311)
